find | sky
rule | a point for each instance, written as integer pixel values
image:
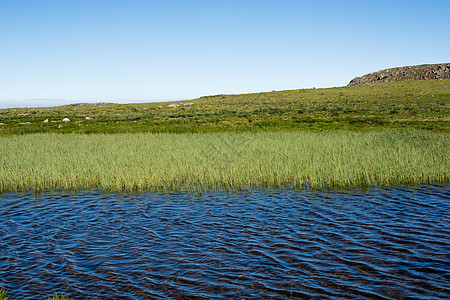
(55, 52)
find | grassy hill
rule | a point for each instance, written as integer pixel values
(405, 104)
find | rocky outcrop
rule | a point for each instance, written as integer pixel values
(422, 72)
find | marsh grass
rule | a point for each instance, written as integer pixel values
(3, 295)
(222, 161)
(56, 296)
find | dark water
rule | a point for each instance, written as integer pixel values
(381, 244)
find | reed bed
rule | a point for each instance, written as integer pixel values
(222, 161)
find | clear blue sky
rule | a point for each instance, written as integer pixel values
(148, 50)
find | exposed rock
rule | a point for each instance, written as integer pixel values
(422, 72)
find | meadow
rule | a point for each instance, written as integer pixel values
(422, 104)
(222, 161)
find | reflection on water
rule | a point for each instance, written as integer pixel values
(387, 243)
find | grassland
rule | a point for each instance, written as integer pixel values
(222, 161)
(412, 104)
(318, 138)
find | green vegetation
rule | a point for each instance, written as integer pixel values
(222, 161)
(58, 297)
(413, 104)
(319, 138)
(4, 296)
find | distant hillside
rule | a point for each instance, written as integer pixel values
(422, 72)
(414, 104)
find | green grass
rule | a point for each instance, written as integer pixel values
(223, 161)
(57, 296)
(422, 104)
(4, 296)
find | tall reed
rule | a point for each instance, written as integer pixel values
(233, 161)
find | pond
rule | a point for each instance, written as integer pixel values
(278, 244)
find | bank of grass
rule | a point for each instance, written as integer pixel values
(222, 161)
(422, 104)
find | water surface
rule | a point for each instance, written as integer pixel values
(379, 244)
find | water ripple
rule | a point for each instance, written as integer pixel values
(379, 244)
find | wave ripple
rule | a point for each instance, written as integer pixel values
(381, 244)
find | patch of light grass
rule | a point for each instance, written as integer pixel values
(3, 295)
(230, 161)
(57, 296)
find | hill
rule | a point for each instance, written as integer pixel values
(422, 72)
(416, 104)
